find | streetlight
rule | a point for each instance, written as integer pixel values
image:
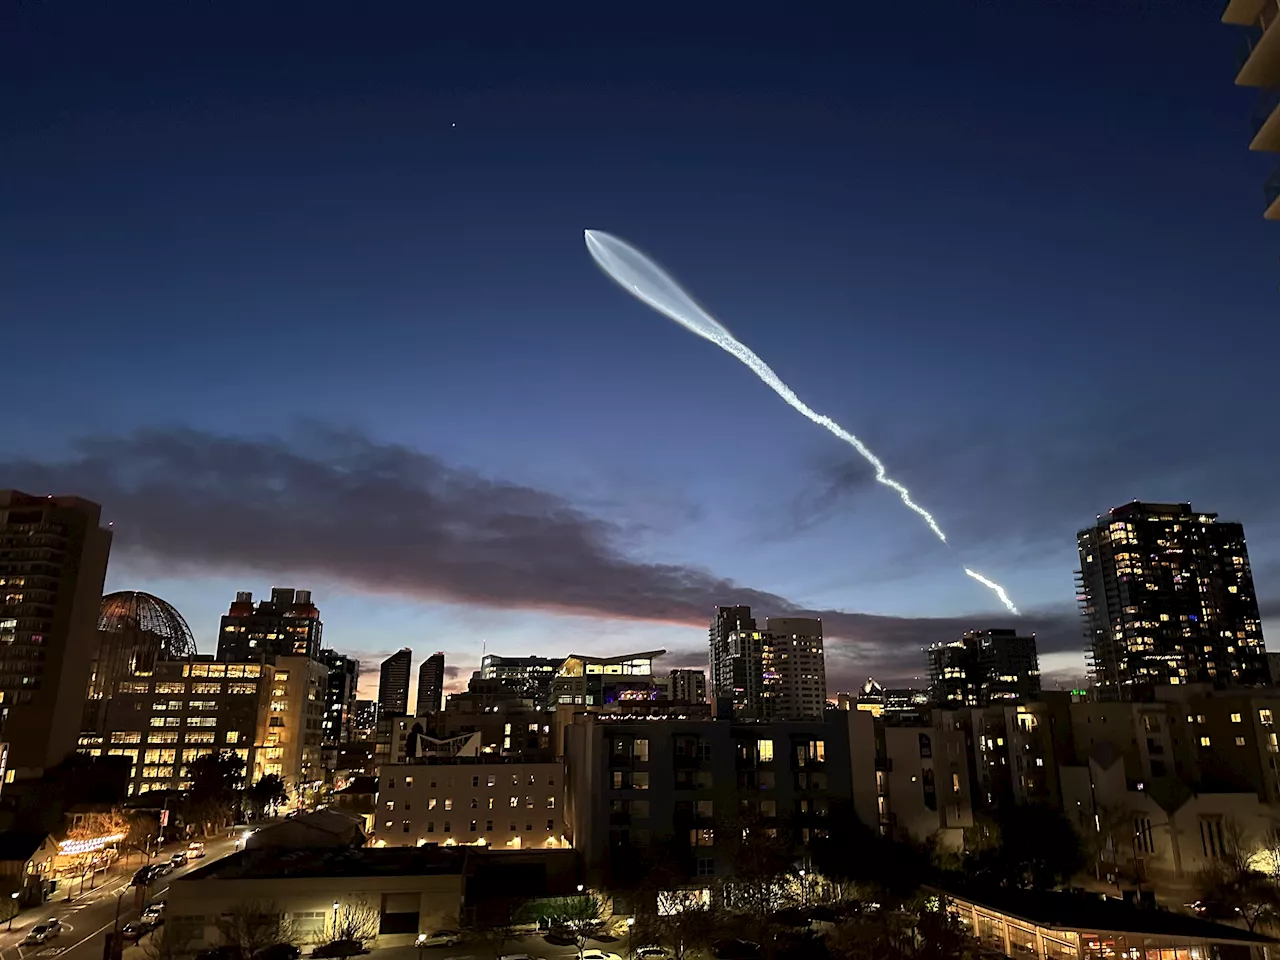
(804, 899)
(14, 897)
(335, 919)
(631, 947)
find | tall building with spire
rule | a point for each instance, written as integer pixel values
(1167, 597)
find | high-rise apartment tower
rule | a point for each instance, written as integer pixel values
(53, 560)
(1167, 597)
(393, 684)
(431, 685)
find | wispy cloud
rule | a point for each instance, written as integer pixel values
(384, 518)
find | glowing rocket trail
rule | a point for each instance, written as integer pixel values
(645, 280)
(992, 585)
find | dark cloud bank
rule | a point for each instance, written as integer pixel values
(384, 518)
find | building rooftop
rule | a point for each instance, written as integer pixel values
(269, 864)
(1099, 914)
(19, 845)
(266, 864)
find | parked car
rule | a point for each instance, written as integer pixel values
(161, 869)
(339, 948)
(144, 876)
(441, 938)
(135, 930)
(594, 954)
(179, 859)
(223, 952)
(195, 849)
(280, 951)
(43, 931)
(518, 956)
(153, 914)
(652, 952)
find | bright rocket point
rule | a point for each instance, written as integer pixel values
(646, 281)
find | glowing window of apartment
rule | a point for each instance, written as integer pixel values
(1239, 741)
(1264, 716)
(641, 749)
(1204, 741)
(765, 750)
(1236, 718)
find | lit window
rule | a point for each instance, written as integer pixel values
(1235, 718)
(1204, 741)
(765, 750)
(1239, 741)
(1264, 717)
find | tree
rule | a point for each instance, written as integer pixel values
(266, 795)
(358, 922)
(249, 927)
(1231, 888)
(580, 916)
(763, 874)
(215, 787)
(853, 853)
(683, 921)
(166, 944)
(1028, 845)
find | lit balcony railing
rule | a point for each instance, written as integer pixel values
(1260, 64)
(1271, 189)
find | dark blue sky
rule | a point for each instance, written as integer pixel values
(302, 298)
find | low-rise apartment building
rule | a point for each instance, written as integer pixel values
(482, 801)
(647, 782)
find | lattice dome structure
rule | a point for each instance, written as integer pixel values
(135, 630)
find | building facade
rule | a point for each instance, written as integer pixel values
(393, 684)
(53, 561)
(528, 677)
(727, 622)
(431, 685)
(777, 673)
(983, 667)
(366, 720)
(794, 668)
(584, 680)
(340, 697)
(479, 801)
(267, 714)
(639, 785)
(1167, 597)
(688, 686)
(287, 625)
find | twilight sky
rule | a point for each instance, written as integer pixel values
(302, 298)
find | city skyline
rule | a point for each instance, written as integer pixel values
(466, 434)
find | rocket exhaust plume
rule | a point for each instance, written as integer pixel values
(647, 282)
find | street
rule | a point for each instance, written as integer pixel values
(89, 916)
(534, 946)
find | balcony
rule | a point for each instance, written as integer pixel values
(1266, 122)
(1243, 13)
(1260, 65)
(1271, 189)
